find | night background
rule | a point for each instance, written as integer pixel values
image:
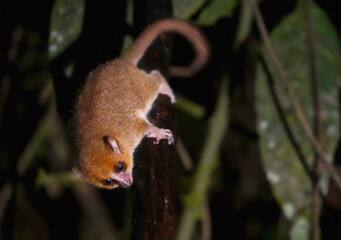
(258, 146)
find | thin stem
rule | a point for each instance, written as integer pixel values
(317, 117)
(289, 92)
(284, 121)
(197, 197)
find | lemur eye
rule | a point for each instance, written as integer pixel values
(107, 182)
(120, 167)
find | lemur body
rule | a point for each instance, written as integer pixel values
(111, 112)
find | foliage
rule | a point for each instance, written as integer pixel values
(195, 200)
(184, 9)
(291, 184)
(209, 15)
(215, 10)
(65, 24)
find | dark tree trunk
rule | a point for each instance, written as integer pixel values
(153, 197)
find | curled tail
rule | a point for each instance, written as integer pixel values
(200, 45)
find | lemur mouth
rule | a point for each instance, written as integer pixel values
(123, 180)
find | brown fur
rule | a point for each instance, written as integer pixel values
(115, 102)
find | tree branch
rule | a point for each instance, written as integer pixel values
(153, 215)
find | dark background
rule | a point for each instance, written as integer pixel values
(39, 197)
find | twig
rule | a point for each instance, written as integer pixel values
(6, 192)
(206, 222)
(288, 90)
(244, 24)
(95, 212)
(196, 198)
(184, 155)
(25, 159)
(284, 121)
(317, 118)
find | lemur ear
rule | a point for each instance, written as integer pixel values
(114, 145)
(78, 172)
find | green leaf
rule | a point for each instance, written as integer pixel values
(289, 39)
(244, 24)
(192, 108)
(184, 9)
(215, 10)
(328, 49)
(66, 24)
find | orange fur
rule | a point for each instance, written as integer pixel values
(115, 102)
